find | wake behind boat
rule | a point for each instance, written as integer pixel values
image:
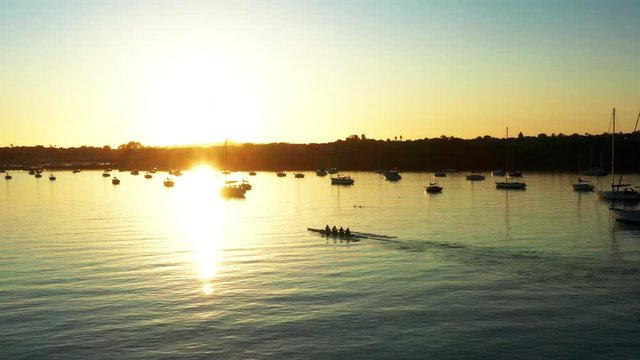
(353, 236)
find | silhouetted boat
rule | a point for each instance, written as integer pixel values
(475, 177)
(37, 175)
(342, 180)
(75, 171)
(392, 175)
(168, 182)
(619, 191)
(177, 172)
(321, 172)
(440, 174)
(115, 180)
(353, 236)
(245, 185)
(626, 215)
(51, 177)
(8, 176)
(332, 171)
(582, 185)
(515, 174)
(433, 188)
(506, 184)
(230, 188)
(252, 173)
(135, 172)
(499, 172)
(298, 175)
(106, 174)
(32, 172)
(281, 174)
(154, 170)
(148, 175)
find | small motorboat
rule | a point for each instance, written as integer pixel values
(51, 177)
(475, 177)
(177, 172)
(115, 180)
(299, 175)
(168, 182)
(252, 173)
(583, 185)
(8, 177)
(511, 185)
(440, 174)
(230, 190)
(148, 175)
(32, 172)
(392, 175)
(342, 180)
(321, 172)
(281, 174)
(135, 172)
(37, 175)
(106, 174)
(245, 185)
(433, 188)
(75, 171)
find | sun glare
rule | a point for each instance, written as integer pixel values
(201, 221)
(201, 100)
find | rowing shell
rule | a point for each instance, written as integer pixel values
(353, 237)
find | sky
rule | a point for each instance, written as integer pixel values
(106, 72)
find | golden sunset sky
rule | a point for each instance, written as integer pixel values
(196, 72)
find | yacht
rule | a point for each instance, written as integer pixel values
(392, 175)
(475, 177)
(342, 180)
(433, 188)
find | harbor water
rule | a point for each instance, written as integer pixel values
(139, 271)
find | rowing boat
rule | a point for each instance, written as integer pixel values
(353, 236)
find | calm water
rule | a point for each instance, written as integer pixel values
(92, 270)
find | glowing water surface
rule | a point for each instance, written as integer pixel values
(137, 270)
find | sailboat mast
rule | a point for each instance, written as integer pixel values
(613, 146)
(506, 153)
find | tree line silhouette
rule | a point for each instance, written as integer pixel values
(528, 153)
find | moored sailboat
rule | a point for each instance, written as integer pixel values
(619, 191)
(506, 184)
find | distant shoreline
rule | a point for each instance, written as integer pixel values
(547, 153)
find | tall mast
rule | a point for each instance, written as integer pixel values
(613, 138)
(506, 153)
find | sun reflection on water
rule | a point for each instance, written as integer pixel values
(201, 221)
